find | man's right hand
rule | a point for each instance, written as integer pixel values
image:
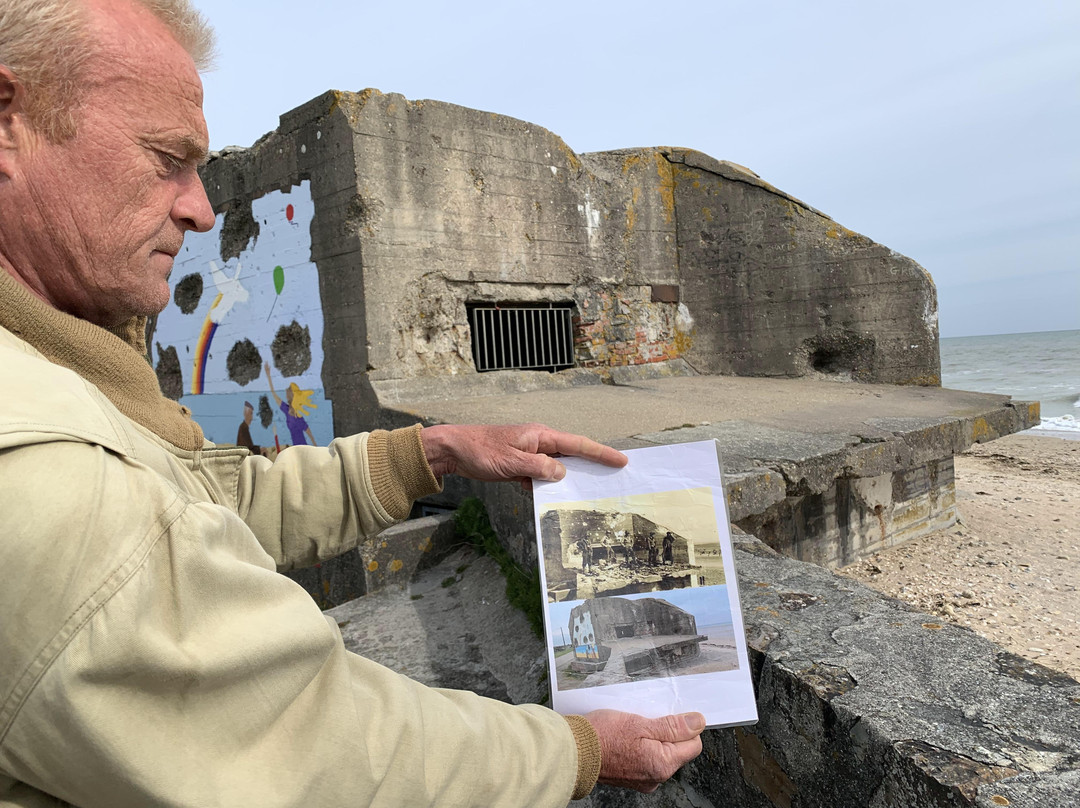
(641, 753)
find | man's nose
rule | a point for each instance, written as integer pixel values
(192, 210)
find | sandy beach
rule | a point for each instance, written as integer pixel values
(1010, 569)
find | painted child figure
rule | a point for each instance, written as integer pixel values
(298, 401)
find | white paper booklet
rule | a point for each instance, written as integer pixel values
(642, 609)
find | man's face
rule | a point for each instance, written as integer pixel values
(104, 213)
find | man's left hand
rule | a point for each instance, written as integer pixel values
(521, 452)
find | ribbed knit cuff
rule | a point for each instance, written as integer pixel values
(399, 469)
(588, 755)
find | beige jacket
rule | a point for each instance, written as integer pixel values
(150, 653)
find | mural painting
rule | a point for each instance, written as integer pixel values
(241, 341)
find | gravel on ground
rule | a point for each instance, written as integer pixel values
(1010, 568)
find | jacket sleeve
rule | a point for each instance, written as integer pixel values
(159, 659)
(314, 503)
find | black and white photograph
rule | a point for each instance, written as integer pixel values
(628, 545)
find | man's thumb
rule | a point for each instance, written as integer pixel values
(675, 728)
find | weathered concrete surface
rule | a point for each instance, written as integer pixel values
(822, 471)
(388, 562)
(450, 627)
(666, 255)
(883, 706)
(863, 703)
(776, 288)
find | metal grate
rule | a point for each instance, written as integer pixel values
(522, 336)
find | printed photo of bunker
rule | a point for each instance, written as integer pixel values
(632, 544)
(629, 579)
(614, 640)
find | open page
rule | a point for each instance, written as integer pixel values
(642, 609)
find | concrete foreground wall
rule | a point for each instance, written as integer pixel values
(863, 703)
(421, 208)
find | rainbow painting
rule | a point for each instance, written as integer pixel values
(202, 349)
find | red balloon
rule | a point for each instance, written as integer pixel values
(288, 212)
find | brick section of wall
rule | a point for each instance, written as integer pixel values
(625, 327)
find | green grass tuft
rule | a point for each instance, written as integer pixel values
(522, 587)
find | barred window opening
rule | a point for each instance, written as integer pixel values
(522, 336)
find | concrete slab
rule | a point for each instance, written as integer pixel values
(821, 470)
(645, 407)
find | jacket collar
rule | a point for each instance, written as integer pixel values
(113, 360)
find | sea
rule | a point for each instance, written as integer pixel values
(1043, 366)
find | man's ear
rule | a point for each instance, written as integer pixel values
(12, 117)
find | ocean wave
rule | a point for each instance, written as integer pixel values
(1063, 423)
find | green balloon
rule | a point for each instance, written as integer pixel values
(279, 279)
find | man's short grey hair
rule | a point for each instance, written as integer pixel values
(46, 44)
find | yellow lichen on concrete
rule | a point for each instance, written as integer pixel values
(837, 230)
(667, 186)
(981, 430)
(922, 380)
(351, 104)
(396, 565)
(629, 162)
(571, 158)
(336, 101)
(631, 210)
(372, 566)
(684, 341)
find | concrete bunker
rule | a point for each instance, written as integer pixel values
(664, 264)
(654, 634)
(678, 264)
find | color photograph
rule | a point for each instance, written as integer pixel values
(616, 640)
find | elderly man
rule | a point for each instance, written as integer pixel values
(150, 654)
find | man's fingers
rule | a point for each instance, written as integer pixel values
(565, 443)
(542, 467)
(508, 452)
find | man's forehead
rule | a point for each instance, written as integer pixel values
(160, 99)
(126, 24)
(133, 46)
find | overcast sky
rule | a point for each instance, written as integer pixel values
(948, 131)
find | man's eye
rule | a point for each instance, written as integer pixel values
(170, 161)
